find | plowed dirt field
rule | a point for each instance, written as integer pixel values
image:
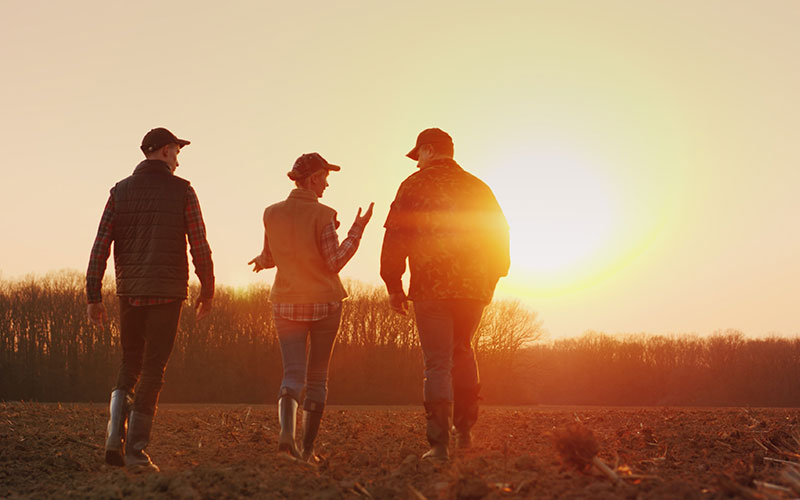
(55, 451)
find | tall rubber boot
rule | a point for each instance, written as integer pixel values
(438, 429)
(312, 418)
(118, 409)
(465, 414)
(139, 427)
(287, 416)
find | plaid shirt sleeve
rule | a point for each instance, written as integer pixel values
(201, 252)
(336, 255)
(395, 244)
(393, 259)
(101, 249)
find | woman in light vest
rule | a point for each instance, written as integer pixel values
(300, 240)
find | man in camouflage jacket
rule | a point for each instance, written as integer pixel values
(449, 226)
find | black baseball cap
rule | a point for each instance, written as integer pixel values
(309, 163)
(158, 138)
(429, 136)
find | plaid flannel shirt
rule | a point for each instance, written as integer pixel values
(195, 232)
(335, 256)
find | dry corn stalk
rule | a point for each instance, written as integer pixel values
(772, 486)
(779, 461)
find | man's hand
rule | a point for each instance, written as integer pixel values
(399, 303)
(362, 220)
(97, 313)
(202, 307)
(257, 266)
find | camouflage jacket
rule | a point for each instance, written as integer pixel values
(449, 226)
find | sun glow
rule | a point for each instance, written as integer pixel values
(563, 216)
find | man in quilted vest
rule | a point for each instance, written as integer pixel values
(449, 226)
(149, 216)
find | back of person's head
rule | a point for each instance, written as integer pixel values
(156, 154)
(303, 182)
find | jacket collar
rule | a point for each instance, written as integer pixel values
(303, 194)
(152, 166)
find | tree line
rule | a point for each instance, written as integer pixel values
(49, 352)
(723, 369)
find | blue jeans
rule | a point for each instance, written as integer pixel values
(306, 348)
(446, 329)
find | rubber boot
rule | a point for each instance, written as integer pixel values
(312, 418)
(287, 416)
(465, 414)
(139, 427)
(118, 409)
(438, 429)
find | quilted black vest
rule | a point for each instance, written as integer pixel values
(150, 233)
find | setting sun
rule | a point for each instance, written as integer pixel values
(563, 216)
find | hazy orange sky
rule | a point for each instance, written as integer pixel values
(645, 153)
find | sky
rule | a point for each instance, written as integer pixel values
(645, 153)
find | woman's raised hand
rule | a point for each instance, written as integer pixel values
(362, 220)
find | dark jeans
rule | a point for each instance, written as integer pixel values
(306, 348)
(147, 336)
(446, 328)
